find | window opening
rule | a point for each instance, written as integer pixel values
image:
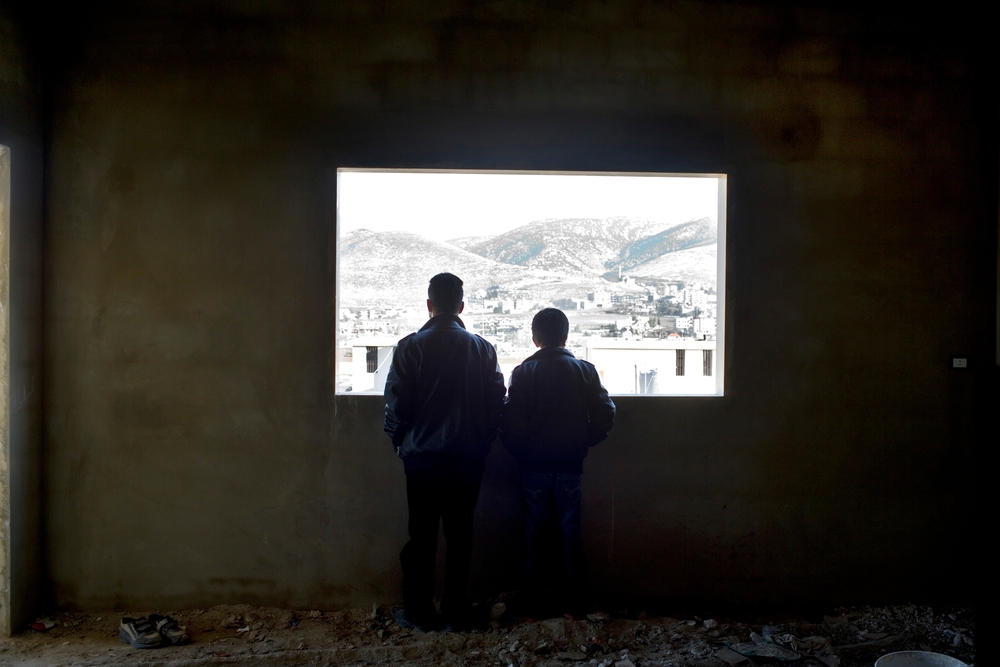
(635, 260)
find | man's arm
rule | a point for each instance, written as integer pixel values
(515, 413)
(601, 410)
(397, 402)
(495, 391)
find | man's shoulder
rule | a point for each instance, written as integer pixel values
(486, 350)
(480, 340)
(406, 340)
(476, 339)
(447, 337)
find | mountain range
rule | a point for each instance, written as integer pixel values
(545, 257)
(569, 245)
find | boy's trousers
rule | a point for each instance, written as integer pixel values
(540, 493)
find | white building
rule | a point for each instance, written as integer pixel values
(663, 366)
(369, 365)
(704, 326)
(601, 299)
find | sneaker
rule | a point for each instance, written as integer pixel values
(408, 623)
(139, 632)
(172, 633)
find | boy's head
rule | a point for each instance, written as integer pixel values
(444, 295)
(549, 328)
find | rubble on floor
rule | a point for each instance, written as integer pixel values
(247, 635)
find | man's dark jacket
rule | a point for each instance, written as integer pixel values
(556, 410)
(443, 397)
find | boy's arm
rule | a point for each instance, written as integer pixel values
(601, 410)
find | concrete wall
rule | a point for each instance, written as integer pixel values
(22, 570)
(195, 452)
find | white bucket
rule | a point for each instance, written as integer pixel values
(918, 659)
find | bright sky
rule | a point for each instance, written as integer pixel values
(450, 205)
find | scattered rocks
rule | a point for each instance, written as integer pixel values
(366, 638)
(571, 655)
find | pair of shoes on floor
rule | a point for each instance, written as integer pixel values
(421, 624)
(151, 632)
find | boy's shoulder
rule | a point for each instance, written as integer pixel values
(552, 356)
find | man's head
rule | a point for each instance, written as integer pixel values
(444, 295)
(549, 328)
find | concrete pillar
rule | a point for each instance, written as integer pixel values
(4, 393)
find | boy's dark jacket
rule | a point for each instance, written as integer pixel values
(556, 409)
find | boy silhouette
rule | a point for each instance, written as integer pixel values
(556, 409)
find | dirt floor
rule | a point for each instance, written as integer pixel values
(246, 635)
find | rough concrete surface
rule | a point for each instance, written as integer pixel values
(195, 451)
(4, 390)
(245, 635)
(188, 450)
(21, 133)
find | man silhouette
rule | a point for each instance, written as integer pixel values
(443, 398)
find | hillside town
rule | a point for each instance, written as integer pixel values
(631, 324)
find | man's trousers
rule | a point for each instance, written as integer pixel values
(435, 497)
